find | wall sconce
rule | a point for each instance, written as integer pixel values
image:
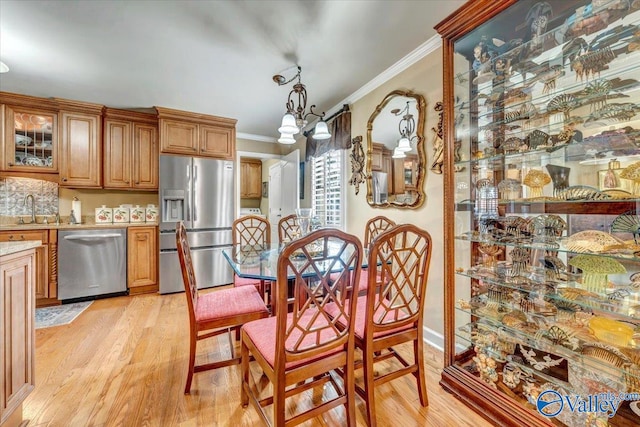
(295, 118)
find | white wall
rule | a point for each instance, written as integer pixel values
(424, 78)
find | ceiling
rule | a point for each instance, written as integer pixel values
(212, 57)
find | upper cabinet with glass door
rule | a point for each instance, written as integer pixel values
(542, 226)
(30, 136)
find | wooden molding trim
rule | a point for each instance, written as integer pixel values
(138, 116)
(18, 100)
(168, 113)
(79, 106)
(469, 16)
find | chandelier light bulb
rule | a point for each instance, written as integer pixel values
(288, 125)
(321, 131)
(398, 154)
(287, 139)
(404, 145)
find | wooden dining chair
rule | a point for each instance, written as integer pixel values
(251, 230)
(373, 227)
(391, 312)
(299, 350)
(213, 313)
(288, 228)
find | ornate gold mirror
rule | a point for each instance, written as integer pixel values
(395, 157)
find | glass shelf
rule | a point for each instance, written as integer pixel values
(559, 247)
(625, 308)
(626, 150)
(512, 337)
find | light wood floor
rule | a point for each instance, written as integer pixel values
(123, 362)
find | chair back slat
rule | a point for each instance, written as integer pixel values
(288, 228)
(251, 230)
(186, 265)
(375, 226)
(398, 262)
(323, 268)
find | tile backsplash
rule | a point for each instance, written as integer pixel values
(13, 192)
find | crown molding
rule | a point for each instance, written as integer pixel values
(414, 56)
(252, 137)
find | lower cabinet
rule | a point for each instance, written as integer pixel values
(142, 255)
(46, 263)
(17, 335)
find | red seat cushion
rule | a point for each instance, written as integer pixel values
(229, 303)
(361, 319)
(263, 335)
(245, 281)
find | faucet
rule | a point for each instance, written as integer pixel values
(33, 207)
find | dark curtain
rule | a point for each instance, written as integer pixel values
(340, 130)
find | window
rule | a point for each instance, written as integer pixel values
(326, 188)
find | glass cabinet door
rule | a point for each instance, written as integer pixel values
(546, 176)
(34, 143)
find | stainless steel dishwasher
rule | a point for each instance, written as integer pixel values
(91, 263)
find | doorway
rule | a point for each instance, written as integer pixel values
(284, 179)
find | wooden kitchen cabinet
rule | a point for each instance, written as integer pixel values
(46, 262)
(29, 133)
(80, 145)
(142, 254)
(130, 150)
(17, 334)
(195, 134)
(250, 179)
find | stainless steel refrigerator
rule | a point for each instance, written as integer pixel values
(199, 192)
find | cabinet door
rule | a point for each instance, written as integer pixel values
(217, 141)
(142, 253)
(178, 137)
(376, 157)
(30, 142)
(254, 186)
(387, 166)
(145, 156)
(117, 154)
(80, 150)
(17, 313)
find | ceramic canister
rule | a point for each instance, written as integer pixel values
(120, 214)
(136, 214)
(104, 215)
(151, 212)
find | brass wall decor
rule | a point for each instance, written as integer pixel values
(438, 143)
(357, 163)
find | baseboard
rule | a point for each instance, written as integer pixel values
(433, 338)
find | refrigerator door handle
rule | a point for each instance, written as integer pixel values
(195, 183)
(188, 198)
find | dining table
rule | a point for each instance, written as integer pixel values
(261, 261)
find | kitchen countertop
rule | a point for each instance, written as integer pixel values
(11, 224)
(8, 248)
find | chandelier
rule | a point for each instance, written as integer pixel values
(295, 119)
(406, 127)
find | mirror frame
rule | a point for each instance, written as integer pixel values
(421, 106)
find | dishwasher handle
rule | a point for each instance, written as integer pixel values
(92, 236)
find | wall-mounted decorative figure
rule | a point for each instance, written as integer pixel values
(438, 143)
(357, 163)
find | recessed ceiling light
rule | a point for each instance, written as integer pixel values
(3, 67)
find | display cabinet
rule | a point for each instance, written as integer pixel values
(30, 135)
(542, 225)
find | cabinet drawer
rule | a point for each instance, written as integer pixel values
(21, 235)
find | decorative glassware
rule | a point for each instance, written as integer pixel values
(304, 220)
